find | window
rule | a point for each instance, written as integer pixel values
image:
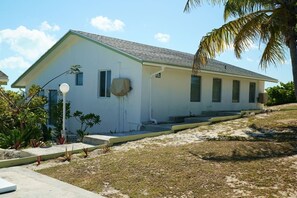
(236, 91)
(195, 88)
(52, 102)
(216, 90)
(104, 83)
(252, 95)
(79, 77)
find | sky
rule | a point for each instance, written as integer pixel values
(28, 28)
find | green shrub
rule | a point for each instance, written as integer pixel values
(21, 118)
(86, 121)
(58, 116)
(13, 139)
(281, 94)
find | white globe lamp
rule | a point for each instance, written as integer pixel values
(64, 88)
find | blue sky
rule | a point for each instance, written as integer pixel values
(29, 28)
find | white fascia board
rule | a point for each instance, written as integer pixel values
(204, 71)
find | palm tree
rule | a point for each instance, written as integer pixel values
(272, 22)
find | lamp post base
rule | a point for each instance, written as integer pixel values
(63, 134)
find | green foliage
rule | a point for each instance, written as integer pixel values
(272, 23)
(21, 118)
(46, 133)
(86, 121)
(58, 115)
(249, 21)
(13, 139)
(281, 94)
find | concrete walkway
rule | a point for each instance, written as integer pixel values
(56, 149)
(34, 185)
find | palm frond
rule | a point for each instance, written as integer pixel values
(249, 32)
(217, 41)
(235, 8)
(273, 52)
(280, 20)
(193, 3)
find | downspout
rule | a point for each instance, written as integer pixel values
(152, 75)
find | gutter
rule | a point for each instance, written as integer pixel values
(210, 72)
(152, 75)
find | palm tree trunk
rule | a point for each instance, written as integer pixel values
(293, 53)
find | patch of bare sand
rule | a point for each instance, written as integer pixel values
(228, 128)
(109, 191)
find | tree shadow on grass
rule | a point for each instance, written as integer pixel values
(279, 133)
(248, 151)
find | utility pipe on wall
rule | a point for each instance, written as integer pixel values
(152, 75)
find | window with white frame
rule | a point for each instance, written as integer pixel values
(104, 79)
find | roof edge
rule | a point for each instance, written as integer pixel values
(14, 84)
(70, 32)
(267, 78)
(106, 46)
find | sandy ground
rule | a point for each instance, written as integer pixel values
(229, 128)
(236, 128)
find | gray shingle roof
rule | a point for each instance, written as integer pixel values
(3, 78)
(147, 53)
(3, 75)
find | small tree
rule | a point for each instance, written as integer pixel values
(281, 94)
(21, 117)
(58, 115)
(86, 121)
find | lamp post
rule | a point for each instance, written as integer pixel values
(64, 88)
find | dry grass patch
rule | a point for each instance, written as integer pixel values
(180, 165)
(280, 120)
(279, 125)
(210, 169)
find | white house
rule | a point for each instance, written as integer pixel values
(3, 78)
(161, 81)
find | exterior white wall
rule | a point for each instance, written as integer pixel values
(117, 113)
(171, 94)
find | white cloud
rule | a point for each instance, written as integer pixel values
(30, 44)
(45, 26)
(14, 62)
(161, 37)
(106, 24)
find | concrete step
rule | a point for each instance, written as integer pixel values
(97, 139)
(6, 186)
(177, 119)
(196, 119)
(156, 127)
(219, 113)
